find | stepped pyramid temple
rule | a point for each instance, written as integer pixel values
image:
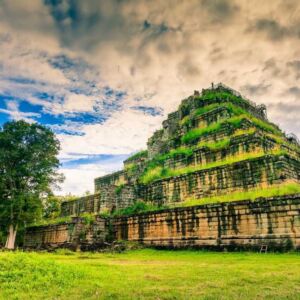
(217, 174)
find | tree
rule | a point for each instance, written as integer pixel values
(28, 171)
(51, 206)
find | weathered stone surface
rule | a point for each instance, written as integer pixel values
(260, 172)
(91, 203)
(74, 235)
(274, 222)
(244, 224)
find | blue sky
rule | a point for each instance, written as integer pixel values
(104, 74)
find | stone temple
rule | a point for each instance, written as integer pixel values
(216, 143)
(218, 147)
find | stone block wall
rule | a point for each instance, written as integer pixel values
(258, 172)
(157, 145)
(216, 115)
(39, 237)
(110, 198)
(116, 178)
(274, 222)
(89, 204)
(238, 145)
(126, 196)
(116, 197)
(242, 224)
(75, 234)
(243, 175)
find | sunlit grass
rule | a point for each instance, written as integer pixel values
(212, 145)
(149, 274)
(288, 188)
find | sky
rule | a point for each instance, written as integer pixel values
(103, 74)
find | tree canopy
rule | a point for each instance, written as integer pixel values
(28, 171)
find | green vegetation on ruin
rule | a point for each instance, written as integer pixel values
(149, 274)
(119, 189)
(210, 95)
(276, 190)
(224, 143)
(88, 218)
(196, 133)
(155, 166)
(287, 188)
(130, 168)
(176, 153)
(235, 121)
(282, 141)
(136, 208)
(160, 172)
(155, 169)
(202, 110)
(218, 145)
(233, 109)
(138, 155)
(238, 116)
(53, 221)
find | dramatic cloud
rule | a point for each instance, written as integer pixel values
(295, 66)
(104, 74)
(294, 90)
(256, 89)
(220, 10)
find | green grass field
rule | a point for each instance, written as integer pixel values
(149, 274)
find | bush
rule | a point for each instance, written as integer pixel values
(151, 174)
(87, 218)
(143, 153)
(56, 221)
(136, 208)
(194, 134)
(119, 189)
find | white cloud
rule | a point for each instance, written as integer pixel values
(78, 103)
(14, 113)
(80, 179)
(125, 132)
(156, 53)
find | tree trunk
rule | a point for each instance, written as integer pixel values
(11, 238)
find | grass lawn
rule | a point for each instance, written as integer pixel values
(149, 274)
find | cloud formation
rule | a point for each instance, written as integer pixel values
(104, 74)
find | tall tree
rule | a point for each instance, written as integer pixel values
(28, 171)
